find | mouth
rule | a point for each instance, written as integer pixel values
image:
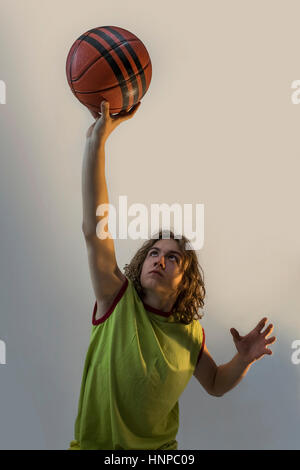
(156, 272)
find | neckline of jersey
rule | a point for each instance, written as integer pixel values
(157, 311)
(152, 309)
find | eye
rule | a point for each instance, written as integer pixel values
(155, 252)
(152, 252)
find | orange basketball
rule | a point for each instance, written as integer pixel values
(109, 63)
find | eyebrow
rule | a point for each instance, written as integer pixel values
(171, 251)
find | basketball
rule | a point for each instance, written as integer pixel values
(108, 63)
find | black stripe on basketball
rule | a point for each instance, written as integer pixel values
(99, 58)
(133, 55)
(102, 89)
(122, 56)
(114, 66)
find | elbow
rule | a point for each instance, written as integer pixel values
(87, 233)
(83, 228)
(213, 390)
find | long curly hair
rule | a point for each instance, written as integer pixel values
(191, 290)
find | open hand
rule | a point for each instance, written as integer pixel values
(105, 123)
(253, 346)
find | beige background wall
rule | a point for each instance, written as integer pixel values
(219, 125)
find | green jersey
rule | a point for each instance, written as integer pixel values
(137, 365)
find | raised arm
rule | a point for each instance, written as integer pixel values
(105, 273)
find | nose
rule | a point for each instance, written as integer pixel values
(161, 262)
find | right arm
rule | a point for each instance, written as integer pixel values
(106, 276)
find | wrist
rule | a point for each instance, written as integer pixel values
(243, 361)
(95, 146)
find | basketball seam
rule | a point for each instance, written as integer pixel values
(71, 61)
(109, 88)
(103, 57)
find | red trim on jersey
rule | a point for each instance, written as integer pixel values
(155, 310)
(146, 306)
(111, 308)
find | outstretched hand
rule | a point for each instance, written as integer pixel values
(253, 346)
(106, 123)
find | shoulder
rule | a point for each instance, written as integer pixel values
(103, 309)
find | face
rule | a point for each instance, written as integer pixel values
(166, 257)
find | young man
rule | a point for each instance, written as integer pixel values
(146, 342)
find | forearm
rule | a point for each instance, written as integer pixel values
(229, 375)
(94, 187)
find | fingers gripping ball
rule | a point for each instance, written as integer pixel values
(108, 63)
(105, 124)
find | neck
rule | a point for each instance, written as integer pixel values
(159, 301)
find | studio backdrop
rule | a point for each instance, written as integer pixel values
(218, 129)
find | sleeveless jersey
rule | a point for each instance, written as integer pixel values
(138, 363)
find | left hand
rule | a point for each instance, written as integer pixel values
(253, 346)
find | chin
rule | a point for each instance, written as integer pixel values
(148, 283)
